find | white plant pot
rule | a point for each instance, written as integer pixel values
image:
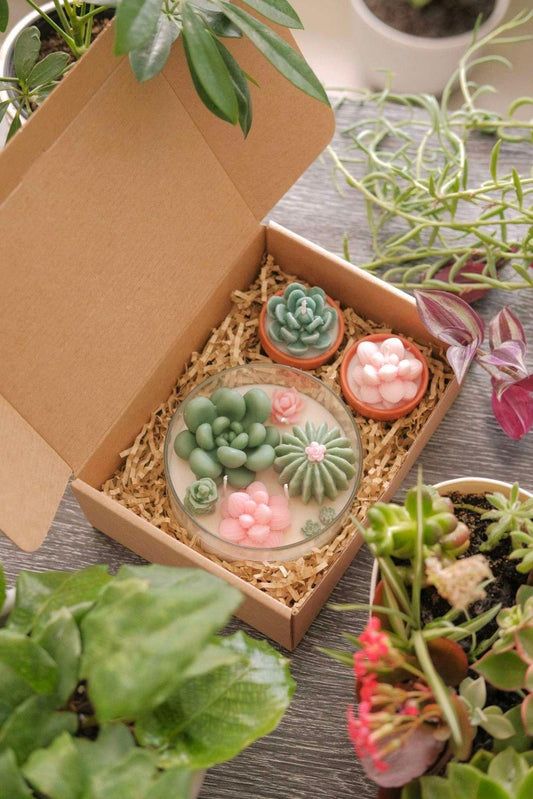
(4, 612)
(420, 64)
(462, 485)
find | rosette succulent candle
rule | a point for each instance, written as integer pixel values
(262, 463)
(301, 326)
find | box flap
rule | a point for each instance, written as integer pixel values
(32, 480)
(123, 208)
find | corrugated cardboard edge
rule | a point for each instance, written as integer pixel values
(28, 513)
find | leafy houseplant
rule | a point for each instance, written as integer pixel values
(119, 686)
(443, 666)
(433, 223)
(145, 31)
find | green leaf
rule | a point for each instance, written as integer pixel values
(4, 15)
(508, 769)
(213, 717)
(61, 638)
(29, 661)
(527, 714)
(518, 187)
(57, 771)
(207, 66)
(16, 125)
(286, 60)
(494, 157)
(13, 691)
(113, 744)
(3, 108)
(2, 574)
(135, 24)
(142, 634)
(520, 742)
(26, 51)
(463, 777)
(240, 85)
(504, 670)
(48, 70)
(524, 593)
(150, 59)
(435, 788)
(491, 790)
(12, 785)
(496, 724)
(174, 784)
(221, 25)
(279, 11)
(526, 787)
(474, 691)
(33, 725)
(40, 595)
(131, 777)
(524, 643)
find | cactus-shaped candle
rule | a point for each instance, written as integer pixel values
(301, 327)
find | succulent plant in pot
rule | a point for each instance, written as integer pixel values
(119, 686)
(146, 32)
(443, 665)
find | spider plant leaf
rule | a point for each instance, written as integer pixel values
(208, 68)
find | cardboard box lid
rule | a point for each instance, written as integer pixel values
(122, 207)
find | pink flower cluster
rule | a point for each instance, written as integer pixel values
(253, 518)
(384, 374)
(287, 405)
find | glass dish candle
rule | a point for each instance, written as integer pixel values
(262, 463)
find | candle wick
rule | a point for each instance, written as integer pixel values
(225, 484)
(286, 490)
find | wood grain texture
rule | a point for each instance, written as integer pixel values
(309, 756)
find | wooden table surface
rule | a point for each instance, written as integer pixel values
(309, 756)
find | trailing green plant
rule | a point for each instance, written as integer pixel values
(33, 80)
(510, 517)
(146, 31)
(119, 686)
(431, 225)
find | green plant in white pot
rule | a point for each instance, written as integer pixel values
(114, 687)
(146, 29)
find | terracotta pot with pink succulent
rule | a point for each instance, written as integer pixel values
(444, 666)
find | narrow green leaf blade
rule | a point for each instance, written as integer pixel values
(49, 69)
(3, 108)
(135, 24)
(494, 158)
(4, 15)
(150, 59)
(279, 11)
(286, 60)
(213, 717)
(26, 51)
(242, 90)
(12, 785)
(208, 67)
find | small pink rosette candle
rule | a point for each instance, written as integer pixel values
(253, 518)
(287, 405)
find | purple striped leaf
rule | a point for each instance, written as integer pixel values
(505, 326)
(506, 364)
(452, 321)
(513, 407)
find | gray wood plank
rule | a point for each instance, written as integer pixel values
(309, 755)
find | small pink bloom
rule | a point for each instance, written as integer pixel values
(315, 452)
(253, 518)
(287, 405)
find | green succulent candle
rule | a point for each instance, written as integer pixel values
(315, 462)
(226, 435)
(301, 320)
(201, 497)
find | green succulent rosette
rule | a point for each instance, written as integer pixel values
(201, 497)
(301, 320)
(226, 435)
(315, 462)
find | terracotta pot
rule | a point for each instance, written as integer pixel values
(419, 64)
(290, 360)
(369, 411)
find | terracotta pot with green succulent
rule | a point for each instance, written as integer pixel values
(114, 687)
(444, 665)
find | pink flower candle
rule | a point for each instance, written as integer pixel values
(287, 406)
(254, 518)
(385, 374)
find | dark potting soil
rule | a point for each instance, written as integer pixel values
(508, 580)
(437, 19)
(51, 42)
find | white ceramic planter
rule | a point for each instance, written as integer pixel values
(6, 609)
(419, 63)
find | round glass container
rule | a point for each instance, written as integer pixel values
(321, 521)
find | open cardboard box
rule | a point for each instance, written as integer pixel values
(128, 215)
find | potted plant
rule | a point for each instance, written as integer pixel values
(443, 665)
(120, 686)
(146, 32)
(419, 41)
